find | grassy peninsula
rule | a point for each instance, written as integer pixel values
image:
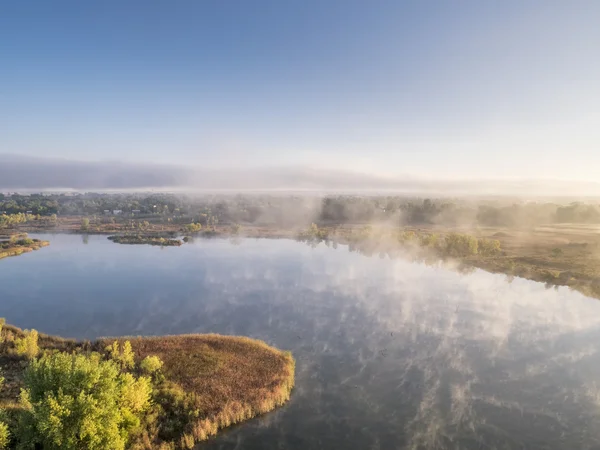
(170, 392)
(17, 245)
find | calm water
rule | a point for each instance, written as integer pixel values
(390, 354)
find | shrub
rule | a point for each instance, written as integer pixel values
(2, 322)
(79, 402)
(151, 364)
(28, 345)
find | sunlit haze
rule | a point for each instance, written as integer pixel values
(405, 90)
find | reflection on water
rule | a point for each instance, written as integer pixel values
(390, 354)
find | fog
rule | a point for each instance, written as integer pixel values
(18, 173)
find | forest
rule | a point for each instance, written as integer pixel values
(302, 210)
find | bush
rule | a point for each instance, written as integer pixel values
(28, 345)
(151, 364)
(2, 322)
(74, 402)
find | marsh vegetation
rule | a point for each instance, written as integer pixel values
(19, 244)
(136, 393)
(144, 239)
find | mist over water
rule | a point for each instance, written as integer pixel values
(390, 354)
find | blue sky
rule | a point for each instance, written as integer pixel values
(437, 89)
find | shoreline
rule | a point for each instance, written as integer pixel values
(558, 255)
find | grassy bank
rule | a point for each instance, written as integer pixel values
(15, 247)
(555, 255)
(203, 383)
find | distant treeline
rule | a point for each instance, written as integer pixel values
(302, 210)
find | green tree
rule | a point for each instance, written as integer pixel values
(76, 402)
(28, 344)
(2, 322)
(85, 224)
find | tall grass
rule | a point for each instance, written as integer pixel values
(211, 382)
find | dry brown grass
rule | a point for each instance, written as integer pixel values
(228, 379)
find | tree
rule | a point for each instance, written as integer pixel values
(85, 224)
(75, 402)
(2, 322)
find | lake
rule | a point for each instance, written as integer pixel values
(390, 354)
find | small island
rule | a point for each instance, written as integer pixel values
(166, 392)
(138, 239)
(19, 244)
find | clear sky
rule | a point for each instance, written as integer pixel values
(453, 89)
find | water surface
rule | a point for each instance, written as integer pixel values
(390, 354)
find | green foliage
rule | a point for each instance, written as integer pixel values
(10, 220)
(27, 345)
(127, 356)
(407, 236)
(85, 224)
(235, 228)
(1, 380)
(458, 245)
(4, 435)
(488, 247)
(74, 402)
(2, 322)
(124, 356)
(556, 252)
(192, 227)
(151, 364)
(429, 240)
